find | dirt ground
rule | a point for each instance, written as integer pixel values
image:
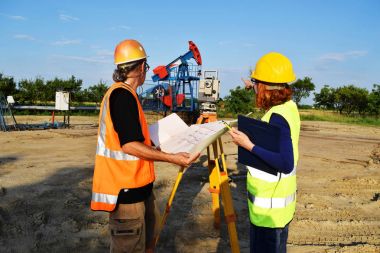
(45, 191)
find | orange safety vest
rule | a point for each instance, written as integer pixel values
(114, 169)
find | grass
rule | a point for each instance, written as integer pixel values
(224, 114)
(319, 115)
(331, 116)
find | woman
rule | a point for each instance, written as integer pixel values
(272, 197)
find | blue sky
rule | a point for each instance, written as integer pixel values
(334, 42)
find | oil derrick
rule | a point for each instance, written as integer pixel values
(7, 119)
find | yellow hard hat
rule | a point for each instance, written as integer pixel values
(128, 51)
(274, 68)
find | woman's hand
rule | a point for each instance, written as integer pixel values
(247, 83)
(241, 139)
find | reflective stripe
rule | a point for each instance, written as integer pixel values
(117, 155)
(104, 198)
(267, 176)
(101, 148)
(102, 131)
(271, 202)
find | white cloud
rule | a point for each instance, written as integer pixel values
(23, 37)
(121, 27)
(67, 18)
(17, 17)
(342, 56)
(14, 17)
(248, 44)
(82, 59)
(66, 42)
(224, 43)
(228, 71)
(125, 27)
(104, 52)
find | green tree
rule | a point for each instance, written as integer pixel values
(40, 88)
(52, 86)
(83, 96)
(7, 85)
(302, 88)
(28, 92)
(326, 98)
(374, 100)
(240, 101)
(72, 85)
(361, 100)
(350, 98)
(32, 91)
(96, 92)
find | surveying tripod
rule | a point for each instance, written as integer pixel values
(218, 178)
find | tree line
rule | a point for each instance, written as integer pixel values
(347, 99)
(41, 92)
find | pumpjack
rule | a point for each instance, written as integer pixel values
(176, 84)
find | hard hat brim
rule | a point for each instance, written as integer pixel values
(118, 63)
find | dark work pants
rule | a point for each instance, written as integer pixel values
(268, 240)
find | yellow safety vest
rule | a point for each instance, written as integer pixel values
(272, 198)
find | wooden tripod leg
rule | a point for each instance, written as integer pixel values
(168, 205)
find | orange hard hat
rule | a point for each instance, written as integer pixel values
(129, 51)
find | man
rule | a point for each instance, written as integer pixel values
(124, 171)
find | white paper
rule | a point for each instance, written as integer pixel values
(172, 134)
(166, 128)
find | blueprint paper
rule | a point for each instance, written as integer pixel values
(172, 134)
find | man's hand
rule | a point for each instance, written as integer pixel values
(184, 159)
(143, 151)
(241, 139)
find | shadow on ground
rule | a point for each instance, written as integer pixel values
(53, 216)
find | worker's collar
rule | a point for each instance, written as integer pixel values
(130, 86)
